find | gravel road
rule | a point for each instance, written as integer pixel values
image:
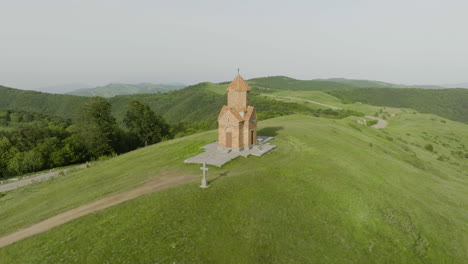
(36, 178)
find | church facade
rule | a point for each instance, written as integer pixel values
(237, 121)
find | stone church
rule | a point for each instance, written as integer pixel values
(237, 122)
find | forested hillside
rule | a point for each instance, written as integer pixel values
(114, 89)
(199, 102)
(31, 142)
(449, 103)
(61, 105)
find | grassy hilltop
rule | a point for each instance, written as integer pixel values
(332, 192)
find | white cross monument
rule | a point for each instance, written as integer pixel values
(203, 181)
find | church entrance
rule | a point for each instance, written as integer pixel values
(229, 139)
(251, 137)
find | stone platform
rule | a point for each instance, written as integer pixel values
(218, 156)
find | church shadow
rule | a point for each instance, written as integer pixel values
(269, 131)
(217, 177)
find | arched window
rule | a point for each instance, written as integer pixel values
(228, 119)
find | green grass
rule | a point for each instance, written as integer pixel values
(332, 192)
(102, 179)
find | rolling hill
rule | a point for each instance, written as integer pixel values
(457, 85)
(448, 103)
(378, 84)
(202, 101)
(61, 105)
(114, 89)
(332, 192)
(63, 88)
(366, 83)
(194, 103)
(289, 84)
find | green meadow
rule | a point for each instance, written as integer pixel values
(332, 192)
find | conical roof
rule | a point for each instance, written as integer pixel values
(238, 84)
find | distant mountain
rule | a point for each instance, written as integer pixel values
(365, 83)
(378, 84)
(428, 86)
(63, 88)
(290, 84)
(114, 89)
(456, 85)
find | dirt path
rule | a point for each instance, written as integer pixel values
(154, 185)
(36, 178)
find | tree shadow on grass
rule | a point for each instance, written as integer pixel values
(269, 131)
(217, 177)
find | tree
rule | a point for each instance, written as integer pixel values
(97, 128)
(143, 122)
(7, 151)
(48, 146)
(32, 161)
(16, 164)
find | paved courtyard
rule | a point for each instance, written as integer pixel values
(217, 157)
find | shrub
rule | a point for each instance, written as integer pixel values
(443, 158)
(371, 122)
(429, 147)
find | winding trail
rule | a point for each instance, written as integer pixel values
(381, 123)
(160, 183)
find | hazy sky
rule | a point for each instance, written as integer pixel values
(50, 42)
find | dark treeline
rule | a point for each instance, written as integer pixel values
(448, 103)
(39, 142)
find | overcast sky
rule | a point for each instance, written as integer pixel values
(50, 42)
